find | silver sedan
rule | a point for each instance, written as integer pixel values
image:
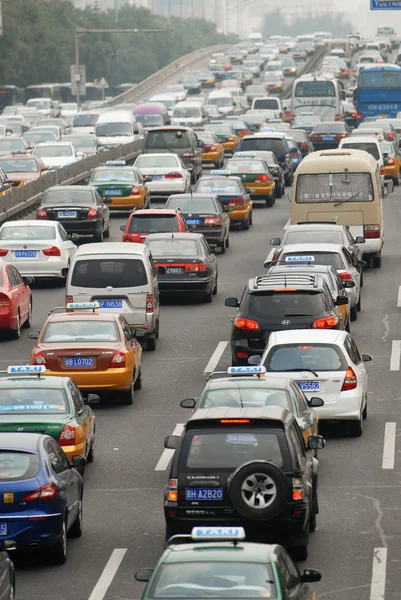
(165, 173)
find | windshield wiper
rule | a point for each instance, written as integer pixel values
(347, 200)
(300, 370)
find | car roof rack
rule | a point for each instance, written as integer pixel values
(283, 280)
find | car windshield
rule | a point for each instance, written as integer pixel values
(218, 186)
(153, 223)
(53, 151)
(173, 247)
(245, 166)
(220, 101)
(369, 147)
(388, 149)
(83, 142)
(333, 259)
(147, 161)
(39, 104)
(275, 145)
(85, 120)
(18, 232)
(24, 400)
(253, 394)
(25, 165)
(113, 129)
(17, 465)
(197, 579)
(67, 196)
(189, 205)
(71, 331)
(319, 357)
(105, 272)
(36, 138)
(324, 236)
(185, 112)
(290, 304)
(119, 174)
(334, 187)
(149, 119)
(174, 139)
(233, 447)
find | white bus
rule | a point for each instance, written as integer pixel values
(319, 95)
(256, 38)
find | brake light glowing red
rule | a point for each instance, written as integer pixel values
(150, 303)
(260, 178)
(244, 131)
(325, 323)
(199, 267)
(118, 360)
(53, 251)
(371, 231)
(3, 252)
(237, 201)
(135, 190)
(350, 380)
(39, 359)
(67, 436)
(43, 493)
(213, 221)
(235, 421)
(173, 175)
(92, 213)
(41, 214)
(345, 276)
(248, 324)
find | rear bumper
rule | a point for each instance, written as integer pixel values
(240, 214)
(112, 379)
(258, 191)
(86, 227)
(126, 202)
(208, 157)
(167, 187)
(213, 236)
(71, 451)
(31, 534)
(178, 286)
(347, 406)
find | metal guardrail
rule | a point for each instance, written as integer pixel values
(308, 67)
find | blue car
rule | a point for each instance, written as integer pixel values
(7, 573)
(41, 494)
(296, 155)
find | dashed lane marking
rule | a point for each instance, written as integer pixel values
(378, 585)
(215, 358)
(167, 454)
(395, 355)
(389, 446)
(108, 574)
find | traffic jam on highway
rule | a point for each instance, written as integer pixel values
(260, 195)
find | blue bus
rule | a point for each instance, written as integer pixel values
(379, 92)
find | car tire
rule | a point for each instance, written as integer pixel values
(106, 234)
(347, 327)
(150, 344)
(138, 380)
(299, 547)
(77, 527)
(245, 224)
(270, 201)
(361, 278)
(365, 410)
(251, 219)
(28, 322)
(214, 292)
(223, 247)
(207, 298)
(58, 553)
(16, 333)
(227, 241)
(91, 454)
(279, 191)
(359, 303)
(396, 180)
(127, 396)
(98, 236)
(312, 523)
(377, 261)
(356, 427)
(353, 313)
(256, 474)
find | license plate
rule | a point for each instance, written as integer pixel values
(112, 193)
(193, 221)
(82, 362)
(156, 177)
(110, 303)
(3, 528)
(71, 214)
(203, 493)
(174, 270)
(25, 254)
(309, 386)
(328, 138)
(383, 116)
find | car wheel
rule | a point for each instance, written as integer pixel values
(251, 219)
(91, 454)
(361, 278)
(279, 191)
(359, 303)
(127, 396)
(348, 326)
(245, 224)
(107, 232)
(258, 490)
(356, 427)
(16, 333)
(77, 527)
(227, 241)
(11, 593)
(365, 409)
(58, 553)
(150, 344)
(157, 329)
(299, 553)
(377, 261)
(312, 523)
(207, 298)
(215, 287)
(28, 322)
(269, 201)
(354, 313)
(98, 236)
(138, 380)
(283, 189)
(223, 247)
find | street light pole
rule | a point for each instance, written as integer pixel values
(116, 9)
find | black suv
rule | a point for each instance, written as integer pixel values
(244, 467)
(273, 302)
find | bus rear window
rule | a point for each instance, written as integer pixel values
(379, 79)
(334, 187)
(311, 89)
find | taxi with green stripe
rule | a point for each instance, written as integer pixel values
(123, 185)
(255, 174)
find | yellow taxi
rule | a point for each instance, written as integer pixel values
(232, 194)
(212, 150)
(93, 347)
(225, 134)
(255, 175)
(240, 126)
(123, 185)
(392, 161)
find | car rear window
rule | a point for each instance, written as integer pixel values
(246, 166)
(31, 401)
(173, 248)
(304, 237)
(237, 395)
(275, 145)
(153, 224)
(173, 139)
(230, 448)
(318, 258)
(71, 331)
(17, 465)
(16, 233)
(368, 147)
(104, 272)
(319, 357)
(218, 186)
(284, 304)
(60, 196)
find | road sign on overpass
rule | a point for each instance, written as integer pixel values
(385, 4)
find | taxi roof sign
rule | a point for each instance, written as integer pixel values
(218, 533)
(82, 305)
(219, 172)
(232, 117)
(115, 162)
(299, 259)
(245, 154)
(254, 370)
(217, 121)
(26, 369)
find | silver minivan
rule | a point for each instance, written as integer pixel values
(123, 279)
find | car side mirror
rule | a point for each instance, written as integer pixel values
(254, 360)
(275, 241)
(144, 575)
(316, 442)
(367, 358)
(78, 462)
(122, 227)
(311, 576)
(362, 264)
(360, 240)
(92, 399)
(107, 200)
(341, 300)
(232, 302)
(28, 280)
(139, 333)
(74, 237)
(315, 402)
(188, 403)
(171, 442)
(349, 283)
(33, 335)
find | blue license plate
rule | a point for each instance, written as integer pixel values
(309, 386)
(328, 138)
(203, 493)
(112, 193)
(174, 270)
(25, 254)
(156, 177)
(193, 221)
(110, 303)
(3, 528)
(70, 214)
(82, 362)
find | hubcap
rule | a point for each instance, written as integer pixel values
(258, 491)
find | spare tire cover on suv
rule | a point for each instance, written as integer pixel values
(258, 490)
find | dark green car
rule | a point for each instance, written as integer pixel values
(122, 185)
(220, 565)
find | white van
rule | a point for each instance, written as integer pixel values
(169, 101)
(223, 99)
(189, 113)
(369, 144)
(123, 279)
(268, 103)
(117, 127)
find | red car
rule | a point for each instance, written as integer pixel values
(15, 300)
(158, 220)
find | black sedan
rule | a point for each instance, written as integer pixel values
(79, 208)
(185, 264)
(328, 135)
(204, 213)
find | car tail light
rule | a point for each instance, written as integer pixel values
(92, 213)
(189, 155)
(276, 254)
(304, 145)
(242, 354)
(150, 303)
(244, 131)
(3, 252)
(237, 201)
(39, 359)
(172, 492)
(4, 300)
(43, 493)
(199, 267)
(337, 117)
(359, 115)
(248, 324)
(325, 323)
(118, 360)
(213, 148)
(213, 221)
(41, 214)
(135, 190)
(231, 138)
(345, 276)
(173, 175)
(371, 231)
(53, 251)
(350, 380)
(353, 115)
(260, 178)
(297, 489)
(390, 161)
(381, 170)
(67, 436)
(390, 136)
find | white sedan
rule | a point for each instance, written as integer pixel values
(166, 173)
(58, 154)
(326, 364)
(37, 248)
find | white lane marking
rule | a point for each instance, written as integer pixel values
(214, 359)
(389, 446)
(399, 297)
(378, 585)
(108, 574)
(167, 454)
(395, 355)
